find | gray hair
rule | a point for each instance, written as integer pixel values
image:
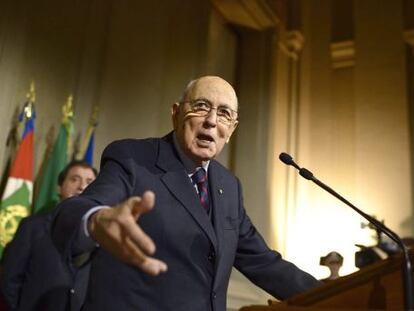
(187, 90)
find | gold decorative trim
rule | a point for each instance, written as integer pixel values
(408, 36)
(67, 110)
(31, 95)
(292, 44)
(343, 54)
(256, 14)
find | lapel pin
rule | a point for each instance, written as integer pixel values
(220, 191)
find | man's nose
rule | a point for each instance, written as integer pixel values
(82, 185)
(211, 117)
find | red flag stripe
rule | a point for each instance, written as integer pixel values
(23, 163)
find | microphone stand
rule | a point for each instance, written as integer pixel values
(407, 274)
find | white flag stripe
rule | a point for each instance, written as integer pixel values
(15, 183)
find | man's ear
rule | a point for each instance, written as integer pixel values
(234, 125)
(174, 114)
(59, 190)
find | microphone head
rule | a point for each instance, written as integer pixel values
(306, 174)
(286, 158)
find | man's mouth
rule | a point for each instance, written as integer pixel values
(205, 139)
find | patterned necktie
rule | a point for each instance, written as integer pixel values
(200, 179)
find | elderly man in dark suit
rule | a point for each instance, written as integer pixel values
(34, 277)
(166, 222)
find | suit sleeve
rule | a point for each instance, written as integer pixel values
(265, 267)
(15, 261)
(112, 186)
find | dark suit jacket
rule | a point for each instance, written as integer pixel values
(34, 276)
(199, 252)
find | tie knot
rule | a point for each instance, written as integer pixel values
(199, 176)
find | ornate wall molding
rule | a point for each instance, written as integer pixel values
(292, 44)
(256, 14)
(343, 54)
(408, 36)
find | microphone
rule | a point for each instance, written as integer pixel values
(407, 274)
(287, 159)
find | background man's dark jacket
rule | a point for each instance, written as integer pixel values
(34, 276)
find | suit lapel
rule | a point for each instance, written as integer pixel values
(179, 184)
(177, 181)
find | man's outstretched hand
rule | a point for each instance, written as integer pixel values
(116, 230)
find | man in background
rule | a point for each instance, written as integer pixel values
(333, 261)
(34, 277)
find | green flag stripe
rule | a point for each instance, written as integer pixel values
(20, 196)
(47, 195)
(12, 210)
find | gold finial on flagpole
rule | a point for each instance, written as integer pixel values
(93, 121)
(67, 109)
(67, 120)
(31, 97)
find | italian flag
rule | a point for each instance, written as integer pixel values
(48, 197)
(17, 196)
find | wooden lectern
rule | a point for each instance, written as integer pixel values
(375, 287)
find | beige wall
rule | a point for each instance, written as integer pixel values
(353, 130)
(131, 58)
(45, 42)
(382, 132)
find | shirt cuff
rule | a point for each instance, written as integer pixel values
(85, 242)
(85, 219)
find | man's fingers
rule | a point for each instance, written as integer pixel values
(116, 229)
(142, 205)
(147, 264)
(138, 236)
(153, 266)
(129, 212)
(127, 251)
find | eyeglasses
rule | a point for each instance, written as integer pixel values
(202, 108)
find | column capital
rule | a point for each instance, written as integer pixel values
(255, 14)
(292, 43)
(343, 54)
(408, 36)
(295, 41)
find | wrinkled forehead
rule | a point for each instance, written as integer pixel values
(215, 89)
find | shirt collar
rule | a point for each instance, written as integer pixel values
(189, 165)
